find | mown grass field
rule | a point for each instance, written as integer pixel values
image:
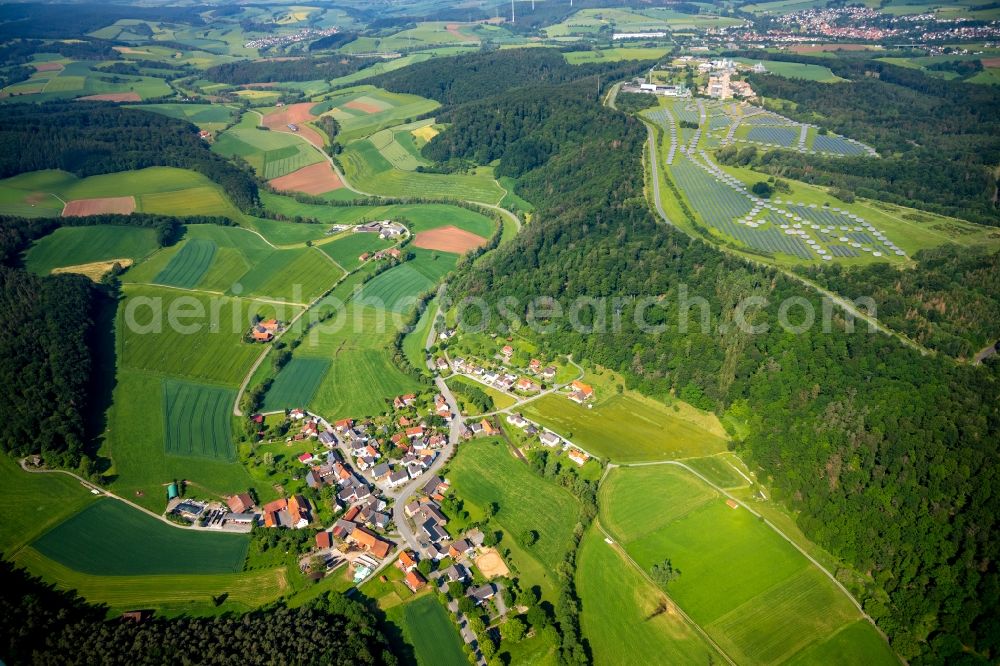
(168, 594)
(797, 70)
(500, 400)
(296, 275)
(33, 503)
(209, 117)
(625, 428)
(110, 538)
(72, 246)
(355, 123)
(272, 154)
(758, 597)
(198, 420)
(416, 340)
(285, 233)
(296, 384)
(398, 288)
(625, 617)
(189, 265)
(428, 627)
(485, 471)
(212, 350)
(362, 376)
(615, 54)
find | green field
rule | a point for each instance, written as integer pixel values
(428, 627)
(271, 154)
(72, 246)
(625, 428)
(625, 617)
(757, 596)
(369, 170)
(796, 70)
(486, 471)
(33, 503)
(345, 251)
(416, 340)
(79, 79)
(210, 117)
(500, 400)
(285, 233)
(615, 54)
(189, 265)
(198, 420)
(110, 538)
(212, 350)
(296, 384)
(398, 288)
(169, 594)
(395, 108)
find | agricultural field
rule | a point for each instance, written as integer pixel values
(415, 341)
(211, 117)
(163, 190)
(625, 617)
(591, 22)
(398, 288)
(757, 596)
(347, 250)
(364, 110)
(84, 80)
(198, 420)
(627, 427)
(486, 471)
(427, 626)
(296, 384)
(73, 246)
(285, 232)
(796, 70)
(110, 538)
(272, 154)
(34, 503)
(169, 594)
(369, 170)
(615, 54)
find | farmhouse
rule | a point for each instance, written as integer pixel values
(264, 331)
(324, 540)
(507, 352)
(549, 373)
(404, 400)
(241, 503)
(406, 561)
(369, 541)
(534, 365)
(306, 458)
(580, 392)
(525, 384)
(414, 580)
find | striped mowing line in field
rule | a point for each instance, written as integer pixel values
(189, 265)
(196, 420)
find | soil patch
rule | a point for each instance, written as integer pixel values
(314, 179)
(81, 207)
(111, 97)
(449, 239)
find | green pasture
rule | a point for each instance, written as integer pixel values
(398, 288)
(198, 420)
(272, 154)
(347, 250)
(81, 79)
(356, 342)
(625, 617)
(285, 232)
(189, 265)
(397, 108)
(486, 471)
(33, 503)
(110, 538)
(857, 644)
(365, 167)
(796, 70)
(211, 117)
(398, 145)
(500, 399)
(719, 469)
(296, 384)
(205, 344)
(428, 627)
(615, 54)
(757, 596)
(168, 594)
(415, 341)
(136, 445)
(71, 246)
(625, 427)
(296, 275)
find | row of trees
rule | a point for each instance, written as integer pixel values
(883, 453)
(299, 69)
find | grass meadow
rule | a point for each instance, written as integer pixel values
(110, 538)
(625, 427)
(211, 117)
(33, 503)
(347, 250)
(398, 288)
(296, 384)
(625, 617)
(757, 596)
(485, 471)
(72, 246)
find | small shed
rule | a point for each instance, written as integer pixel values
(172, 491)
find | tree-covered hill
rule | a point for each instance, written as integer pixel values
(889, 457)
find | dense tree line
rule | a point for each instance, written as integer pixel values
(939, 139)
(63, 21)
(277, 71)
(886, 456)
(39, 624)
(635, 102)
(334, 41)
(488, 73)
(950, 301)
(46, 364)
(20, 51)
(102, 138)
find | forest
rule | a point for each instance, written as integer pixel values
(939, 140)
(885, 454)
(949, 302)
(42, 625)
(270, 71)
(101, 138)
